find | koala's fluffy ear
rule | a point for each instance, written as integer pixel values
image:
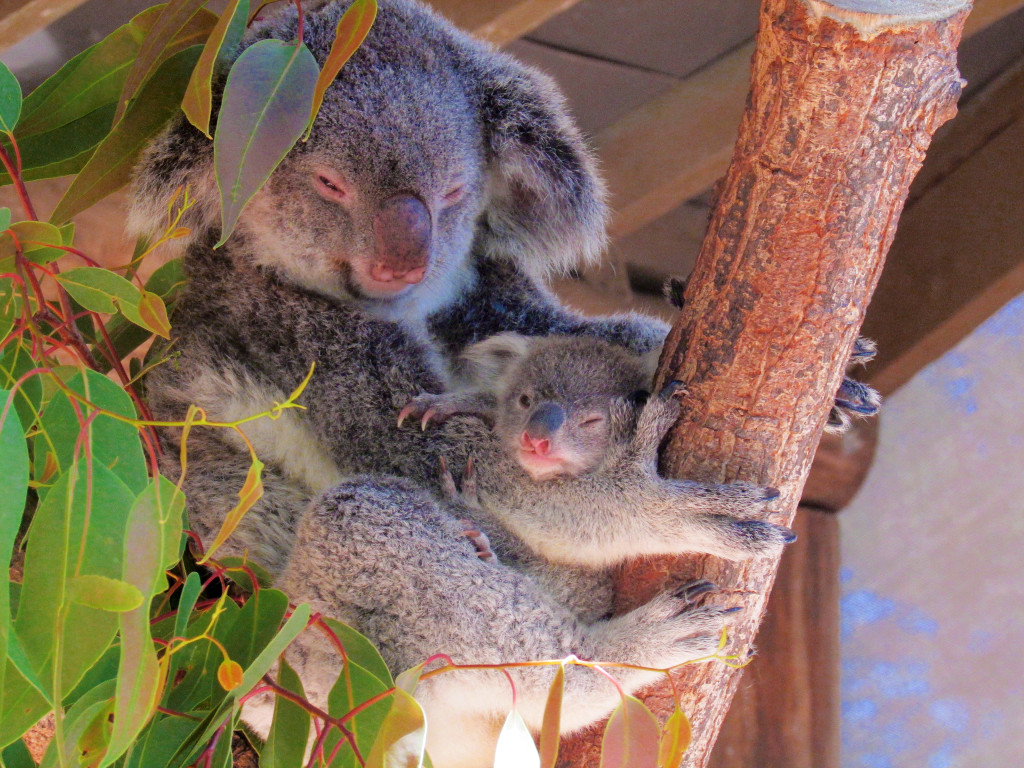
(181, 157)
(546, 208)
(483, 364)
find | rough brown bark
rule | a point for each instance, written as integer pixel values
(842, 107)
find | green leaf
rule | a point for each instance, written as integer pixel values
(96, 77)
(104, 593)
(166, 282)
(21, 705)
(10, 99)
(71, 112)
(153, 315)
(114, 444)
(289, 731)
(98, 289)
(17, 756)
(515, 747)
(265, 108)
(352, 29)
(86, 727)
(360, 650)
(630, 737)
(14, 460)
(173, 17)
(110, 166)
(35, 238)
(403, 735)
(551, 726)
(78, 530)
(219, 49)
(354, 686)
(15, 363)
(5, 218)
(10, 307)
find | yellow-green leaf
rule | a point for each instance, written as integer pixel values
(153, 314)
(104, 593)
(401, 742)
(675, 739)
(229, 674)
(352, 29)
(220, 47)
(99, 290)
(36, 239)
(252, 491)
(10, 99)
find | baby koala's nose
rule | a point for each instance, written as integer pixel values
(538, 445)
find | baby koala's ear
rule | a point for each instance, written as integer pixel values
(484, 363)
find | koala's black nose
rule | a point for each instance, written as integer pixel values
(402, 229)
(545, 421)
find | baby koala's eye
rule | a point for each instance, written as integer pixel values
(525, 401)
(592, 421)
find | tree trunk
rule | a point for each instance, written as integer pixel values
(843, 105)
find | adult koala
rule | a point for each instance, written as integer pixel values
(441, 181)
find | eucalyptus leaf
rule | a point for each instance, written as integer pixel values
(78, 530)
(267, 99)
(403, 735)
(631, 736)
(289, 730)
(14, 460)
(220, 48)
(515, 748)
(10, 99)
(110, 166)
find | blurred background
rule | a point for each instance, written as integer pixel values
(895, 631)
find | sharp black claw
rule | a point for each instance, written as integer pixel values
(770, 494)
(789, 537)
(673, 388)
(691, 590)
(734, 609)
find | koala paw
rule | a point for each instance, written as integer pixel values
(479, 540)
(657, 417)
(739, 500)
(749, 538)
(853, 400)
(683, 625)
(427, 407)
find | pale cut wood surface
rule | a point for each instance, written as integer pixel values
(678, 144)
(834, 132)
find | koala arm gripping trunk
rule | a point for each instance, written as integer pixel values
(505, 299)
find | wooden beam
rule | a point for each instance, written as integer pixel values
(20, 18)
(956, 258)
(500, 21)
(678, 144)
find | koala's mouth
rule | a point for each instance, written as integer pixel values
(361, 286)
(544, 467)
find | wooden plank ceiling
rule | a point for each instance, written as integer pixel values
(660, 85)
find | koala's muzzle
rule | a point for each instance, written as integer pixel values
(402, 230)
(541, 427)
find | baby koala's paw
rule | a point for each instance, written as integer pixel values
(741, 500)
(657, 417)
(742, 539)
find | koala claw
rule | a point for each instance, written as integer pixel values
(734, 609)
(480, 541)
(755, 537)
(692, 591)
(674, 388)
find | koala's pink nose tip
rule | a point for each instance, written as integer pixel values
(539, 446)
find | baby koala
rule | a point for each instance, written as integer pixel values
(572, 471)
